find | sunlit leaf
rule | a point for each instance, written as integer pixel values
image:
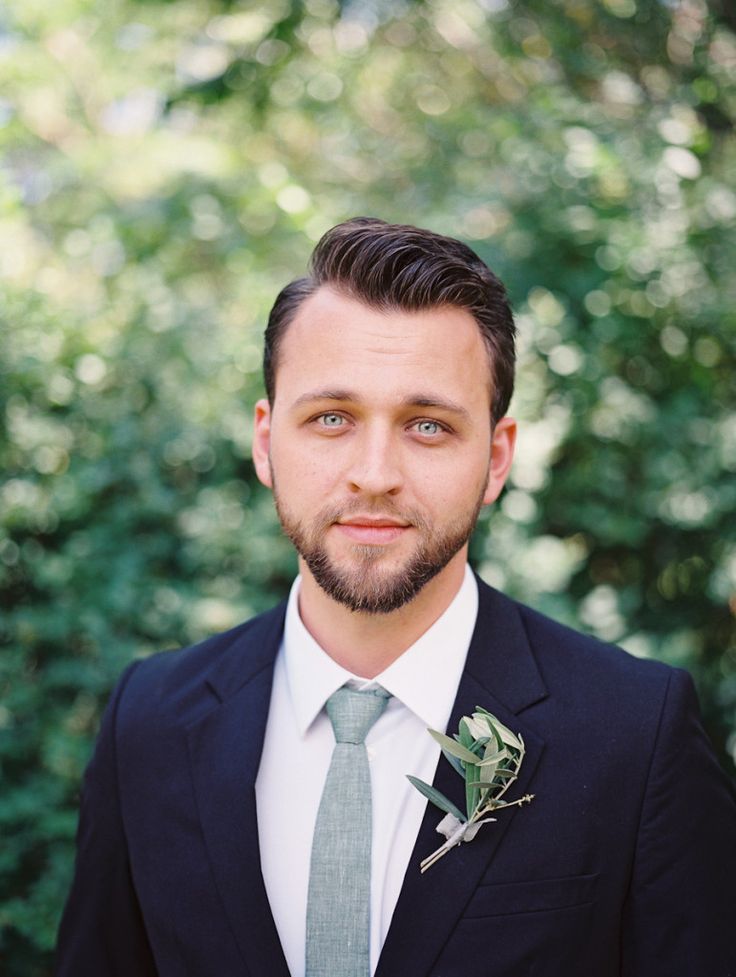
(456, 749)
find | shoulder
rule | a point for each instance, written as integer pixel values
(631, 714)
(172, 683)
(577, 667)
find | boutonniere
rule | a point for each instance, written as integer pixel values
(488, 756)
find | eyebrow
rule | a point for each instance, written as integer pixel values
(413, 400)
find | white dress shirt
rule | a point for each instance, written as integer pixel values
(298, 747)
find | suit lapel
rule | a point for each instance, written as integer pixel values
(225, 750)
(502, 676)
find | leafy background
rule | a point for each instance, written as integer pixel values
(166, 166)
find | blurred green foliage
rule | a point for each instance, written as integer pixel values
(166, 167)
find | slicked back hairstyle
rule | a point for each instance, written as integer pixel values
(398, 267)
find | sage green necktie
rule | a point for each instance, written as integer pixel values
(338, 901)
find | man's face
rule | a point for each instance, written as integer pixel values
(379, 447)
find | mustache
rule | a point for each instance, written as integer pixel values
(377, 510)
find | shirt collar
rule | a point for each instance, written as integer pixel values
(424, 678)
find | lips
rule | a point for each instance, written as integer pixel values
(377, 521)
(372, 530)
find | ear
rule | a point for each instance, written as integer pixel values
(503, 441)
(262, 442)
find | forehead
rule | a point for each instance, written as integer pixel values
(337, 340)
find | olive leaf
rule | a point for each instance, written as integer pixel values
(456, 749)
(455, 763)
(438, 799)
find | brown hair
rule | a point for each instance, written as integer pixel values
(396, 266)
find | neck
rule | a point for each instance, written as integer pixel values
(366, 644)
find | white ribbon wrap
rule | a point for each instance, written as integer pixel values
(456, 831)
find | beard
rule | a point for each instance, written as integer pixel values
(368, 585)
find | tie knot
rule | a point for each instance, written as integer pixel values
(352, 713)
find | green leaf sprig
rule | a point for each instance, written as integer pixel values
(488, 756)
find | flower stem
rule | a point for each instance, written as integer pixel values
(457, 836)
(491, 806)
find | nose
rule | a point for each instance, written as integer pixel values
(375, 469)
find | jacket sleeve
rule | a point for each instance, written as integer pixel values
(681, 906)
(102, 933)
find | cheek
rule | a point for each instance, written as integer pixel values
(302, 473)
(449, 482)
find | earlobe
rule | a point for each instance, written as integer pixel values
(503, 441)
(262, 442)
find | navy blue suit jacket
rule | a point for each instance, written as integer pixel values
(624, 865)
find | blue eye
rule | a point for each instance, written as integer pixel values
(428, 427)
(331, 420)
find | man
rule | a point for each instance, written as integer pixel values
(218, 836)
